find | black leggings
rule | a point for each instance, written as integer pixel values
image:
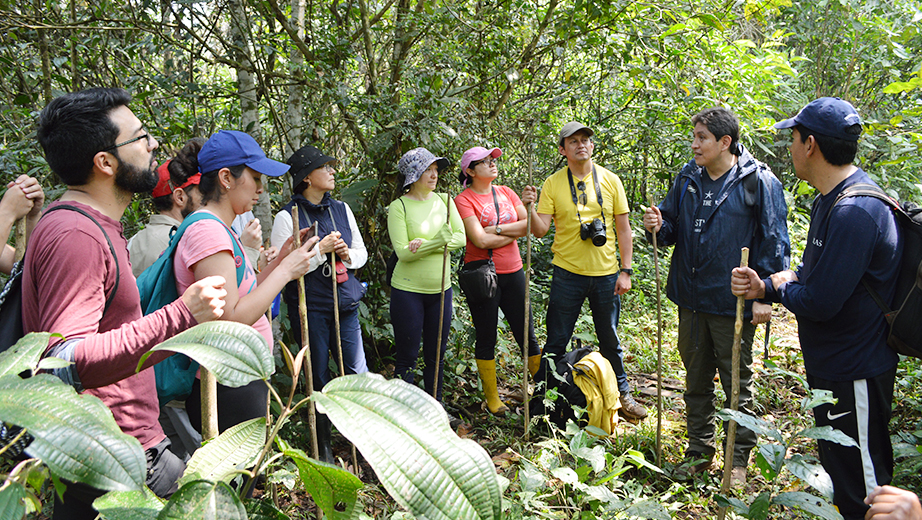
(510, 297)
(235, 405)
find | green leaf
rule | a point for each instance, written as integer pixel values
(812, 474)
(770, 459)
(235, 448)
(595, 456)
(808, 503)
(129, 505)
(75, 435)
(758, 509)
(202, 499)
(25, 354)
(828, 433)
(235, 353)
(738, 505)
(263, 510)
(763, 428)
(817, 397)
(637, 458)
(334, 489)
(404, 434)
(648, 509)
(12, 501)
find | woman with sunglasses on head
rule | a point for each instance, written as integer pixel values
(313, 179)
(494, 217)
(231, 165)
(419, 229)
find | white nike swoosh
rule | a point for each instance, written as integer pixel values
(832, 417)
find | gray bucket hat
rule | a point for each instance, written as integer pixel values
(414, 163)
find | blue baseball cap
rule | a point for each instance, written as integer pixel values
(232, 148)
(829, 116)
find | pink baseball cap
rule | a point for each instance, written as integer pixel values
(477, 153)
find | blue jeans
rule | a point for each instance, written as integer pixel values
(568, 291)
(322, 331)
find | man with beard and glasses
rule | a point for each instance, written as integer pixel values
(72, 284)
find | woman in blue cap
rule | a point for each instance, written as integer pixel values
(232, 165)
(419, 228)
(494, 217)
(341, 249)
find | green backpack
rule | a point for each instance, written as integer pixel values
(157, 285)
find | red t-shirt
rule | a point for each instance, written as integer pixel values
(470, 204)
(69, 271)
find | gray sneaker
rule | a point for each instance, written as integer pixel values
(631, 408)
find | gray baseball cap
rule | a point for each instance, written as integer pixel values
(571, 128)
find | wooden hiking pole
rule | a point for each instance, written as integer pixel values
(525, 339)
(659, 350)
(339, 342)
(438, 348)
(20, 239)
(734, 389)
(209, 400)
(305, 340)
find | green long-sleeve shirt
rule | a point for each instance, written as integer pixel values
(419, 272)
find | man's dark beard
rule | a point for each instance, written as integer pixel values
(187, 209)
(133, 179)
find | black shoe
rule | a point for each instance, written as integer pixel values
(324, 444)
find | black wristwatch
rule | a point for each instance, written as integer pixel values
(628, 270)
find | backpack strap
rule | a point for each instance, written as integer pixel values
(863, 189)
(118, 268)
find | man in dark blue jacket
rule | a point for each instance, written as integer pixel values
(721, 201)
(843, 333)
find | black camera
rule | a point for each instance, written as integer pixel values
(594, 230)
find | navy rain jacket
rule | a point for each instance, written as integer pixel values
(699, 273)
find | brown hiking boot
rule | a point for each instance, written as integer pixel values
(631, 408)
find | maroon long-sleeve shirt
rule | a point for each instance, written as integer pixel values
(68, 274)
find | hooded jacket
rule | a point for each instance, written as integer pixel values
(746, 214)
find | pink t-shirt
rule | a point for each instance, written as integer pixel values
(69, 273)
(470, 204)
(203, 239)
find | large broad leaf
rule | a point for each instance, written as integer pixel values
(204, 500)
(769, 459)
(648, 509)
(235, 353)
(808, 503)
(75, 435)
(763, 428)
(236, 448)
(129, 505)
(404, 434)
(334, 489)
(812, 474)
(262, 510)
(25, 354)
(828, 433)
(12, 501)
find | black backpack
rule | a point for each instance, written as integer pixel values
(565, 387)
(11, 329)
(904, 312)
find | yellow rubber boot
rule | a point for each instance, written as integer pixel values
(534, 362)
(487, 369)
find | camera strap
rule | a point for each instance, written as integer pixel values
(598, 194)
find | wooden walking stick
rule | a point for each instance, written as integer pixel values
(339, 342)
(659, 350)
(734, 388)
(438, 349)
(305, 341)
(525, 338)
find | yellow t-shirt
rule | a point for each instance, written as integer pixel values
(570, 252)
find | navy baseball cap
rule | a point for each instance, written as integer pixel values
(229, 148)
(829, 116)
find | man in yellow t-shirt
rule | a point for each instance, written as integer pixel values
(589, 209)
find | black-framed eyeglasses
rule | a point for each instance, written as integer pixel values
(489, 161)
(581, 186)
(138, 138)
